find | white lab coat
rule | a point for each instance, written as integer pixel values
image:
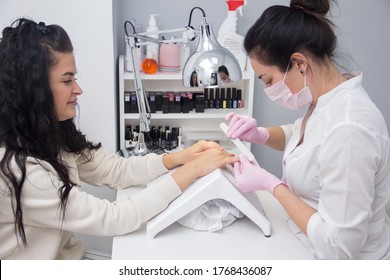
(342, 169)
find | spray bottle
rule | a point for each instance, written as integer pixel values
(227, 33)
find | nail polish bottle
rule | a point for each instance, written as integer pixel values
(230, 97)
(154, 132)
(199, 105)
(179, 137)
(206, 98)
(191, 102)
(174, 137)
(212, 98)
(127, 101)
(163, 138)
(234, 99)
(239, 98)
(165, 103)
(217, 103)
(168, 140)
(128, 136)
(223, 98)
(152, 101)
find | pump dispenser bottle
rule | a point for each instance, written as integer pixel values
(227, 34)
(153, 47)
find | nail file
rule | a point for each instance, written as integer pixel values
(240, 146)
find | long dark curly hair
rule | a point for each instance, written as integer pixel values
(29, 126)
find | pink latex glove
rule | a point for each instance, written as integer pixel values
(250, 178)
(245, 128)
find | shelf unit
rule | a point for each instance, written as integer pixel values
(189, 122)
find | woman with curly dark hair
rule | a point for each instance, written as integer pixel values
(44, 157)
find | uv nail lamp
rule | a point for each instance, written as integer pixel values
(219, 184)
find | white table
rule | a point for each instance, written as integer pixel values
(241, 240)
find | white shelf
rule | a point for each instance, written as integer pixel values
(208, 114)
(209, 120)
(169, 76)
(157, 76)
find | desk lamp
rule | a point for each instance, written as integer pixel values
(206, 59)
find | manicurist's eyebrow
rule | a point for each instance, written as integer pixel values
(68, 74)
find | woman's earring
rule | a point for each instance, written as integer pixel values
(301, 71)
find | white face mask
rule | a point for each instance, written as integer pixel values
(282, 95)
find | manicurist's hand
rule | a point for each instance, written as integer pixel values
(175, 159)
(245, 128)
(250, 178)
(205, 162)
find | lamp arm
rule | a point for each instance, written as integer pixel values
(190, 35)
(164, 31)
(142, 101)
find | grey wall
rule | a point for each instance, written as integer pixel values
(362, 41)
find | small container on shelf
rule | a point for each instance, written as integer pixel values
(149, 66)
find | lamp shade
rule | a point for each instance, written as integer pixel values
(201, 68)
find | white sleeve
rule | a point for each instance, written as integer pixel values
(118, 172)
(347, 174)
(290, 129)
(86, 213)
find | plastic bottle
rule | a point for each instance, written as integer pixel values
(129, 61)
(152, 27)
(227, 33)
(149, 65)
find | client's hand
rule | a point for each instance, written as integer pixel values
(188, 154)
(205, 162)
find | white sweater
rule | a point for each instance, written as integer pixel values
(50, 237)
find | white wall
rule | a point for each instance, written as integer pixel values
(89, 25)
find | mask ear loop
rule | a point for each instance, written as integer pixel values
(285, 74)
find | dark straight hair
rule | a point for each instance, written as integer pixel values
(280, 31)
